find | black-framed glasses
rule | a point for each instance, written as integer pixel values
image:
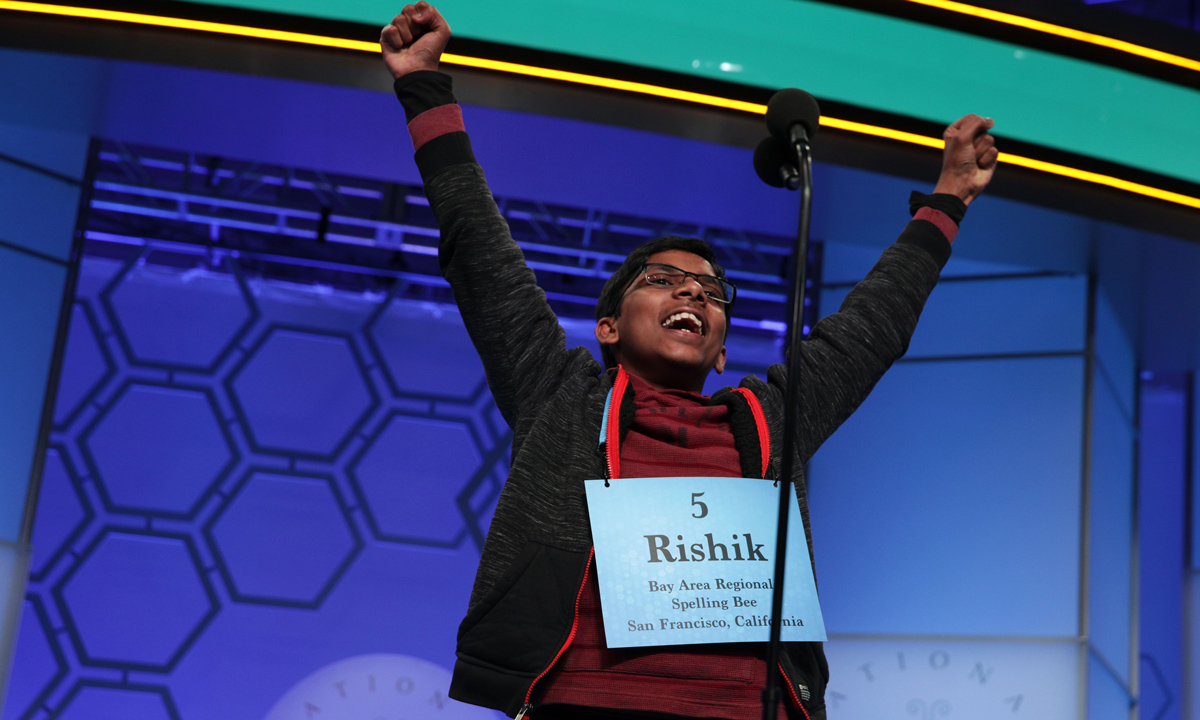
(714, 288)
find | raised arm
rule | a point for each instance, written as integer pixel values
(521, 344)
(849, 351)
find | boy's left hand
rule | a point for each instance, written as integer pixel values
(414, 40)
(969, 158)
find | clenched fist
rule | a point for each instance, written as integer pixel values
(969, 159)
(414, 40)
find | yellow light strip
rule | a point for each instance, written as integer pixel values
(1062, 31)
(1019, 161)
(183, 24)
(373, 47)
(1099, 179)
(883, 132)
(623, 85)
(598, 81)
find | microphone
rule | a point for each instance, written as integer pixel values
(793, 116)
(784, 159)
(775, 164)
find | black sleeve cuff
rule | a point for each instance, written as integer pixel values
(951, 205)
(443, 151)
(424, 90)
(928, 237)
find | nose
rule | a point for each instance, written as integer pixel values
(691, 287)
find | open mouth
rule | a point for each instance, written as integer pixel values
(686, 321)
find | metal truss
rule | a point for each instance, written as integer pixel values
(310, 226)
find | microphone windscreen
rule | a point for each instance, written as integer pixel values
(788, 107)
(769, 158)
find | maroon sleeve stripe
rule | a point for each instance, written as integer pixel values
(434, 123)
(940, 220)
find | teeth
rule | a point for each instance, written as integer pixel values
(699, 326)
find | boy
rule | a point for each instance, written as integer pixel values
(532, 641)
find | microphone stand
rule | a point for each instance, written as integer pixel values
(791, 408)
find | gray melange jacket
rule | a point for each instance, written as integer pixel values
(538, 549)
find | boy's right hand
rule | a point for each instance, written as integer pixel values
(414, 40)
(969, 158)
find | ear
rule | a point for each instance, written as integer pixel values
(606, 331)
(719, 366)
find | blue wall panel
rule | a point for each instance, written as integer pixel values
(845, 262)
(1116, 354)
(1191, 650)
(1194, 481)
(39, 217)
(41, 662)
(57, 93)
(949, 503)
(205, 311)
(30, 295)
(14, 569)
(1191, 636)
(1162, 546)
(1110, 561)
(954, 491)
(46, 216)
(987, 317)
(60, 152)
(1107, 698)
(860, 208)
(39, 170)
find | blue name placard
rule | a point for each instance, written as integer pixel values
(691, 560)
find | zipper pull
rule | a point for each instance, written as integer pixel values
(524, 709)
(600, 450)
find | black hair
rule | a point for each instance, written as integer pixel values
(613, 294)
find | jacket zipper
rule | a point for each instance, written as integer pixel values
(612, 442)
(604, 458)
(610, 431)
(570, 638)
(791, 691)
(608, 466)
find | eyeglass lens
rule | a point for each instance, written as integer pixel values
(714, 287)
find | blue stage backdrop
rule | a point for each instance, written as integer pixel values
(250, 481)
(332, 457)
(264, 498)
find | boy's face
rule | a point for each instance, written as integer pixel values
(655, 335)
